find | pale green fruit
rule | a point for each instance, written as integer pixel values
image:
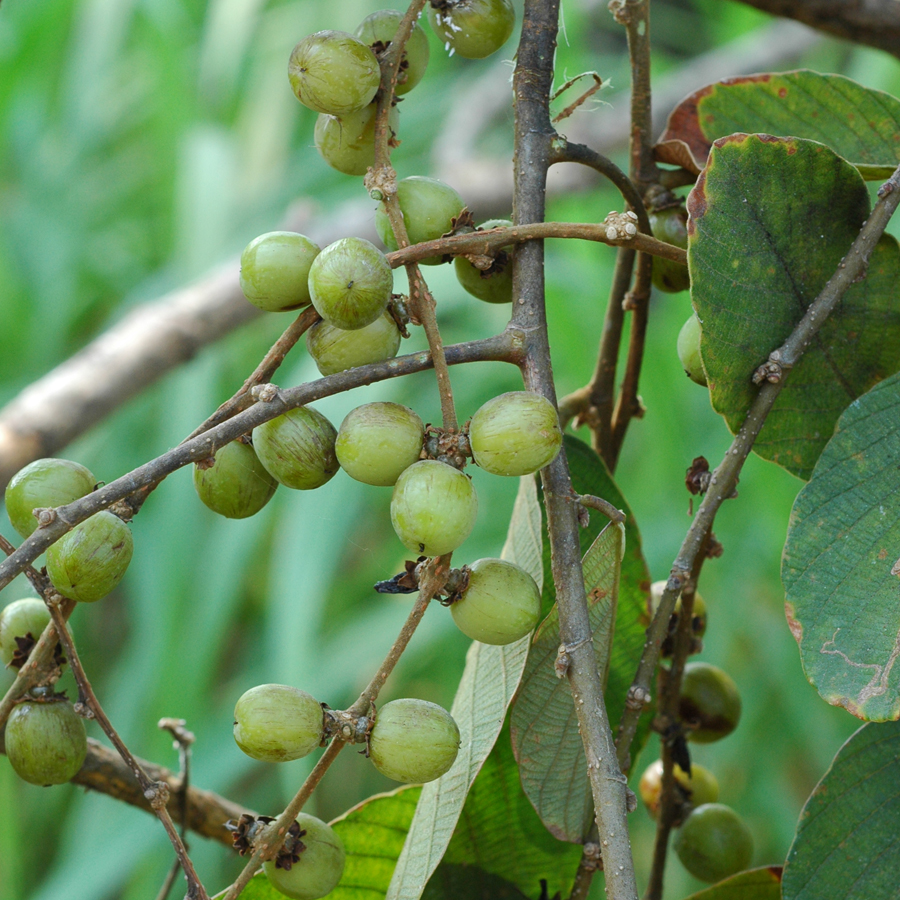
(88, 562)
(319, 868)
(20, 619)
(297, 448)
(698, 619)
(277, 722)
(492, 285)
(689, 350)
(714, 843)
(378, 441)
(347, 143)
(350, 283)
(44, 483)
(275, 270)
(336, 349)
(670, 225)
(236, 485)
(515, 434)
(710, 705)
(413, 741)
(333, 72)
(501, 603)
(700, 787)
(45, 740)
(428, 206)
(473, 28)
(433, 508)
(381, 27)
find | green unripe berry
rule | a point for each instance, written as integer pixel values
(689, 351)
(433, 508)
(347, 143)
(515, 434)
(500, 604)
(473, 28)
(377, 442)
(297, 448)
(237, 484)
(88, 562)
(277, 722)
(380, 27)
(697, 788)
(429, 207)
(45, 740)
(319, 868)
(714, 843)
(44, 483)
(333, 72)
(336, 349)
(670, 225)
(698, 619)
(275, 270)
(21, 619)
(350, 283)
(493, 285)
(710, 705)
(413, 741)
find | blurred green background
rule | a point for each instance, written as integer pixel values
(143, 142)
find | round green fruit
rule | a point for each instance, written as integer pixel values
(275, 270)
(297, 448)
(689, 351)
(670, 225)
(515, 434)
(44, 483)
(500, 604)
(377, 442)
(429, 207)
(347, 143)
(697, 788)
(88, 562)
(350, 283)
(710, 705)
(413, 741)
(45, 740)
(277, 722)
(473, 28)
(379, 29)
(714, 843)
(493, 285)
(25, 618)
(698, 619)
(333, 72)
(335, 349)
(236, 485)
(319, 868)
(433, 508)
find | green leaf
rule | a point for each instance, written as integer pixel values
(499, 833)
(754, 884)
(843, 540)
(456, 882)
(544, 725)
(590, 476)
(486, 688)
(771, 219)
(847, 845)
(858, 123)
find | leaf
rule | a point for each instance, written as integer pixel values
(486, 688)
(590, 476)
(753, 884)
(500, 833)
(771, 219)
(847, 845)
(858, 123)
(469, 883)
(544, 725)
(843, 541)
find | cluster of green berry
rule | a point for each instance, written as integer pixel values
(713, 841)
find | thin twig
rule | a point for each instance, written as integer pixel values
(723, 480)
(183, 740)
